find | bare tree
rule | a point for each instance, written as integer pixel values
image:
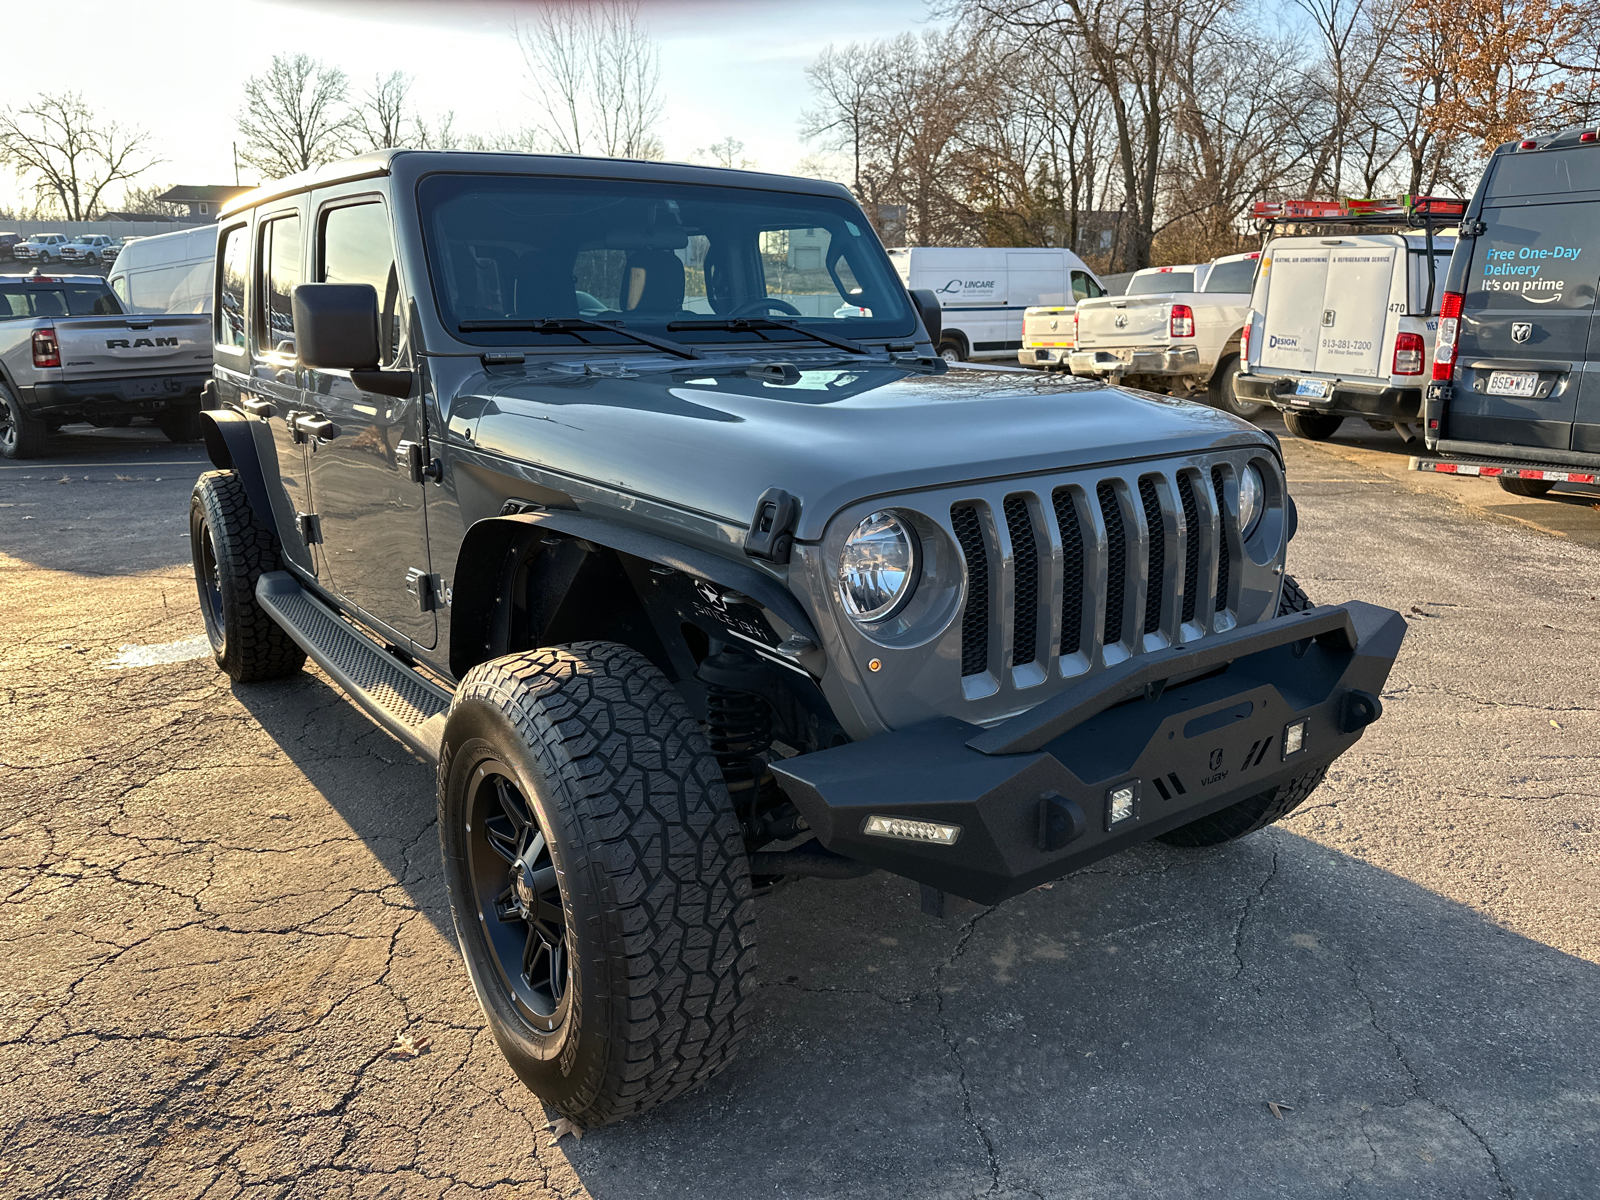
(595, 74)
(729, 152)
(844, 81)
(147, 200)
(379, 119)
(68, 154)
(294, 116)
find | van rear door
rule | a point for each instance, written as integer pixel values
(1528, 306)
(1296, 277)
(1354, 308)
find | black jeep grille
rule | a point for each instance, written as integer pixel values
(1155, 577)
(1025, 581)
(1191, 552)
(1116, 560)
(968, 525)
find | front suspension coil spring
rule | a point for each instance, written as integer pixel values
(739, 727)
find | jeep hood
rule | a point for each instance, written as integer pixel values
(710, 438)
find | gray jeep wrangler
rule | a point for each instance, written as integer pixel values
(636, 497)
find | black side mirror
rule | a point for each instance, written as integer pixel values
(932, 315)
(336, 325)
(336, 329)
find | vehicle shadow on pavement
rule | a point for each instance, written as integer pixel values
(1118, 1033)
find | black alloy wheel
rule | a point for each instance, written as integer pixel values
(516, 893)
(21, 436)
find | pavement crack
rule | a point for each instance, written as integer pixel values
(1417, 1087)
(1244, 916)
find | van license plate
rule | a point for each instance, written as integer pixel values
(1513, 383)
(1312, 387)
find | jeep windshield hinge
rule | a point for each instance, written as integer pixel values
(771, 533)
(310, 528)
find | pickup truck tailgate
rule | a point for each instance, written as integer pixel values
(139, 345)
(1114, 324)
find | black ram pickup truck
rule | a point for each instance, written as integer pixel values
(576, 475)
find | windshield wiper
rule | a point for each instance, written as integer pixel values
(577, 326)
(757, 324)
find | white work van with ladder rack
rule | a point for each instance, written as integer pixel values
(1345, 311)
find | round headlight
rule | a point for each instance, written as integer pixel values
(878, 568)
(1252, 501)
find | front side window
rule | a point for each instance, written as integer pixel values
(231, 275)
(1084, 287)
(356, 248)
(281, 274)
(680, 260)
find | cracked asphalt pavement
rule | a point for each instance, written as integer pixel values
(229, 969)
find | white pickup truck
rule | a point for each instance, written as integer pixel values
(1175, 330)
(68, 352)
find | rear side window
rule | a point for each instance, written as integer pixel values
(231, 275)
(1085, 288)
(1232, 276)
(1161, 281)
(68, 300)
(280, 275)
(356, 248)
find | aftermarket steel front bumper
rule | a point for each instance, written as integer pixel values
(1189, 730)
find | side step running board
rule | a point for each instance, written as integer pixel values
(398, 698)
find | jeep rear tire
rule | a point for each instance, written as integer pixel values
(1259, 811)
(231, 549)
(21, 436)
(597, 878)
(1313, 426)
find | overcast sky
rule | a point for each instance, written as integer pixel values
(176, 67)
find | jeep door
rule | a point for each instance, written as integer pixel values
(1527, 314)
(235, 363)
(369, 503)
(272, 391)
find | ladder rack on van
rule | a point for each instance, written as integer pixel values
(1430, 214)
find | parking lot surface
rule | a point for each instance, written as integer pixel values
(230, 968)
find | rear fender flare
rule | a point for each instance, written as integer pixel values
(489, 552)
(230, 444)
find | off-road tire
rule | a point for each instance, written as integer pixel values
(1220, 393)
(231, 549)
(181, 424)
(21, 436)
(1313, 426)
(1535, 488)
(1259, 811)
(659, 925)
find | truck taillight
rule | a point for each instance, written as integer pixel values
(1444, 350)
(1074, 329)
(1182, 321)
(46, 351)
(1244, 339)
(1408, 352)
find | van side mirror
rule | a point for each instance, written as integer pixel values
(336, 329)
(336, 325)
(930, 312)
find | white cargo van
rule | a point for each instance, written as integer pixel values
(983, 292)
(1342, 320)
(168, 273)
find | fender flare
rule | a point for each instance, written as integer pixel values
(481, 566)
(230, 444)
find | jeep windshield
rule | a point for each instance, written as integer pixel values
(688, 262)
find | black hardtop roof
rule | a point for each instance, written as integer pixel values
(413, 164)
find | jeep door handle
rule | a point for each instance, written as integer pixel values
(313, 426)
(256, 406)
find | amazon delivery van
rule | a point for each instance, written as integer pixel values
(983, 292)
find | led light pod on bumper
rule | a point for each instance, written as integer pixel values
(1107, 764)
